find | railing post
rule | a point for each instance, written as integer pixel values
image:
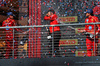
(52, 41)
(94, 41)
(13, 45)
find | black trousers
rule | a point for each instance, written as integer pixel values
(54, 42)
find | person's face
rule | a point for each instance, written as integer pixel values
(11, 17)
(87, 14)
(50, 13)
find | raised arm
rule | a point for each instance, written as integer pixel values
(52, 17)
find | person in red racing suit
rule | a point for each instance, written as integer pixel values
(52, 17)
(9, 35)
(93, 29)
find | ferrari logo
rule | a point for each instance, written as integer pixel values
(91, 19)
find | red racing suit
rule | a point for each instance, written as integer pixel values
(9, 37)
(56, 33)
(90, 42)
(53, 21)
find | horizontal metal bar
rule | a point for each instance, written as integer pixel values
(51, 25)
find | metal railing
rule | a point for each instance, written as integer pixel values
(39, 42)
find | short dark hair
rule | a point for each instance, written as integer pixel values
(51, 10)
(91, 14)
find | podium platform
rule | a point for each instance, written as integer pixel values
(65, 61)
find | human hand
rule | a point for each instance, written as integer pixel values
(97, 33)
(24, 32)
(81, 31)
(49, 37)
(12, 48)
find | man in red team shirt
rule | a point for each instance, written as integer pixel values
(9, 35)
(52, 17)
(90, 43)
